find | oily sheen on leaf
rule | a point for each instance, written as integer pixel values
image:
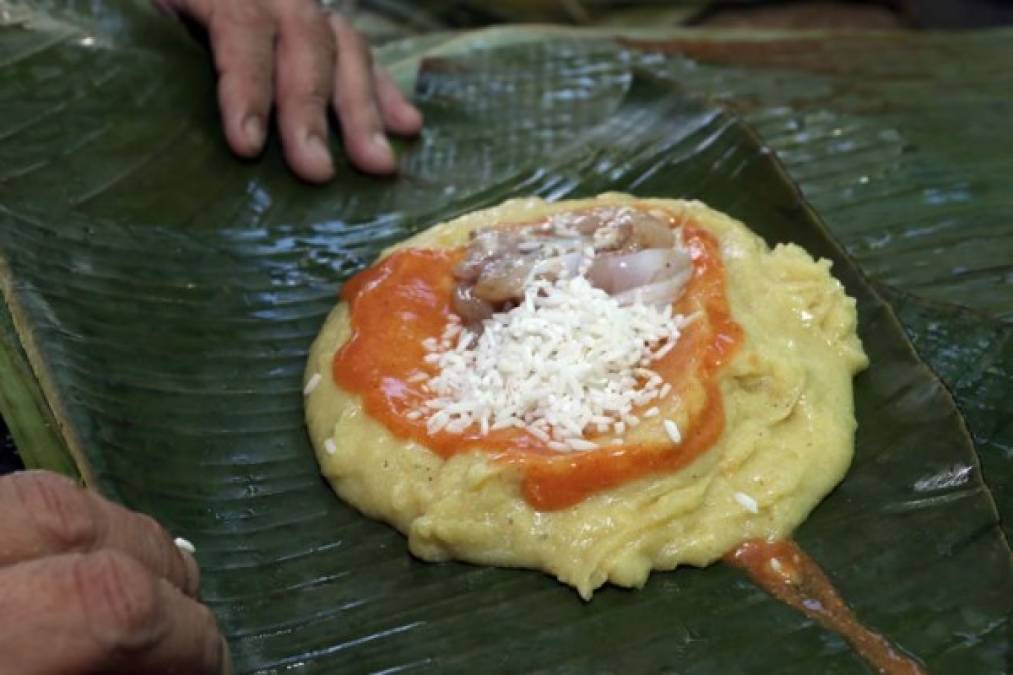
(166, 294)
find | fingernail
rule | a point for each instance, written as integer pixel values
(384, 152)
(318, 152)
(226, 658)
(253, 128)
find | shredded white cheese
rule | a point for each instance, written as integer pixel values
(746, 502)
(185, 545)
(672, 429)
(565, 361)
(312, 384)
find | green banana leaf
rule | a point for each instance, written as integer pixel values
(902, 142)
(29, 419)
(974, 356)
(164, 296)
(472, 13)
(391, 21)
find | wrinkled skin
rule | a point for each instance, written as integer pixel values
(87, 586)
(295, 57)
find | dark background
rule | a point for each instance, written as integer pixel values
(915, 14)
(9, 460)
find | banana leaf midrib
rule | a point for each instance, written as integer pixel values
(24, 404)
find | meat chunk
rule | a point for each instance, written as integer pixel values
(631, 248)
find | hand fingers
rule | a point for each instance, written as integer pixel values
(47, 514)
(303, 81)
(287, 50)
(242, 36)
(399, 115)
(103, 612)
(355, 102)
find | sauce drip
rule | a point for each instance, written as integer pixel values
(406, 298)
(782, 569)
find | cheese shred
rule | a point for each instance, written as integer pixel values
(564, 362)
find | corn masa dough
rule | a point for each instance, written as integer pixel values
(788, 438)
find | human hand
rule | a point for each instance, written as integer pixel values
(305, 60)
(87, 586)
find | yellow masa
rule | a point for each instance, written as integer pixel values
(788, 438)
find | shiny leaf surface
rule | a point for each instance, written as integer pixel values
(166, 294)
(899, 142)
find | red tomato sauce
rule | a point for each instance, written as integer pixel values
(782, 569)
(406, 298)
